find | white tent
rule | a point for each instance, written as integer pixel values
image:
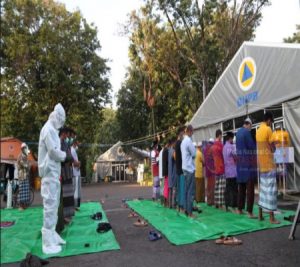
(259, 77)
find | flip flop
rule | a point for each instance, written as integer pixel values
(140, 223)
(232, 241)
(132, 215)
(153, 236)
(97, 216)
(220, 240)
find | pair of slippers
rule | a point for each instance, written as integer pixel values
(103, 227)
(132, 214)
(97, 216)
(153, 236)
(140, 223)
(228, 241)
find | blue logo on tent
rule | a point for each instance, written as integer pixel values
(247, 74)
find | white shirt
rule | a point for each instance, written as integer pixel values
(160, 164)
(76, 170)
(188, 152)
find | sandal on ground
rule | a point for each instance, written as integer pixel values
(97, 216)
(153, 236)
(232, 241)
(132, 215)
(220, 240)
(140, 223)
(103, 227)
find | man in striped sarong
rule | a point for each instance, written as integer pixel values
(267, 177)
(219, 170)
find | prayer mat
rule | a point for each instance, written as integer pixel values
(81, 234)
(208, 225)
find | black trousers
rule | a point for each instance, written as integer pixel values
(231, 192)
(249, 187)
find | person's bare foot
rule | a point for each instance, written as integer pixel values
(21, 209)
(192, 216)
(251, 215)
(240, 212)
(261, 218)
(274, 222)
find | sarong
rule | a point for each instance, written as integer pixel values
(268, 191)
(200, 190)
(220, 190)
(210, 190)
(68, 198)
(156, 187)
(166, 188)
(24, 192)
(231, 192)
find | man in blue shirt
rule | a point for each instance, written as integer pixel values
(246, 167)
(188, 152)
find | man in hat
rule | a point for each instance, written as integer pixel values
(246, 167)
(267, 169)
(23, 176)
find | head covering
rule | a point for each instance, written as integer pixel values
(278, 126)
(194, 143)
(23, 145)
(248, 120)
(211, 140)
(58, 116)
(199, 143)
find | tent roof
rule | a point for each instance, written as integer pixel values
(115, 153)
(259, 75)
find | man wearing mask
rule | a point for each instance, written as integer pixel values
(50, 157)
(188, 152)
(246, 167)
(67, 175)
(23, 176)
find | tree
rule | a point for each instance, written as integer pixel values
(295, 38)
(178, 50)
(49, 55)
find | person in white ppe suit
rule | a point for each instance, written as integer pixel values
(50, 157)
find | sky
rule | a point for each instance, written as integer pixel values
(279, 21)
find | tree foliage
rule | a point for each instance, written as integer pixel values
(179, 48)
(295, 38)
(49, 55)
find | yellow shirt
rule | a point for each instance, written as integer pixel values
(281, 138)
(199, 164)
(264, 153)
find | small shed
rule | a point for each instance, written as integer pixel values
(119, 165)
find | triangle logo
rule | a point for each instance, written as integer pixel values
(247, 74)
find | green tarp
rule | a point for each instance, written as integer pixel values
(209, 224)
(25, 235)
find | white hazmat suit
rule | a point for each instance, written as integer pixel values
(50, 157)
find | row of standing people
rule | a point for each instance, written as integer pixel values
(173, 170)
(230, 170)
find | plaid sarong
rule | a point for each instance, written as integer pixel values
(268, 191)
(220, 190)
(24, 192)
(156, 188)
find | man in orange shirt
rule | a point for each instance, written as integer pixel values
(267, 169)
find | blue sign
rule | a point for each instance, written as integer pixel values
(246, 99)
